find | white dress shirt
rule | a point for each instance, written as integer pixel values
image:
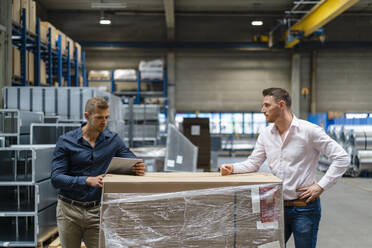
(295, 159)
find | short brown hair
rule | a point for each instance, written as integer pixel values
(95, 102)
(278, 94)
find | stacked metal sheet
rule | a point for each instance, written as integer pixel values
(66, 102)
(48, 133)
(28, 208)
(15, 125)
(357, 141)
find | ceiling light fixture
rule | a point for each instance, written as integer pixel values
(100, 5)
(257, 23)
(103, 20)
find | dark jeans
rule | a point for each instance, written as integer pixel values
(303, 222)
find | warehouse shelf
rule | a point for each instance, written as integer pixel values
(58, 65)
(139, 93)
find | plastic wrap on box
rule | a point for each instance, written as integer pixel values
(238, 216)
(103, 74)
(125, 74)
(152, 75)
(153, 65)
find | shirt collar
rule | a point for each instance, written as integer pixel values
(294, 123)
(105, 133)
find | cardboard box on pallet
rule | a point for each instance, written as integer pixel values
(68, 39)
(30, 68)
(197, 131)
(16, 10)
(192, 210)
(16, 62)
(25, 5)
(44, 34)
(63, 41)
(32, 16)
(43, 72)
(78, 46)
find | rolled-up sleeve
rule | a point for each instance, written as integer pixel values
(59, 175)
(330, 148)
(254, 161)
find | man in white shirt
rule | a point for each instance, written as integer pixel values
(291, 147)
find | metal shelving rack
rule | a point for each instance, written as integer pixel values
(138, 93)
(58, 65)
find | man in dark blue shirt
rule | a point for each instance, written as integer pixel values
(80, 160)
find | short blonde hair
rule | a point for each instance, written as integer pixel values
(94, 103)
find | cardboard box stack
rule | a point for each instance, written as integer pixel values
(30, 8)
(44, 34)
(197, 131)
(192, 210)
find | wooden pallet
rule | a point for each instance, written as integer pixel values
(57, 244)
(47, 238)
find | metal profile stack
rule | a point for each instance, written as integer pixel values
(66, 102)
(357, 141)
(181, 154)
(145, 122)
(62, 104)
(48, 133)
(15, 125)
(28, 206)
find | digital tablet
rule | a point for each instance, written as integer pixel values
(122, 165)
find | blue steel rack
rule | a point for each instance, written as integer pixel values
(139, 81)
(58, 65)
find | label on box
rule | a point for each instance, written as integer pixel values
(268, 204)
(179, 159)
(195, 130)
(170, 163)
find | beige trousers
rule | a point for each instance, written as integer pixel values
(76, 224)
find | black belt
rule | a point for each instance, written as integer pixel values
(89, 204)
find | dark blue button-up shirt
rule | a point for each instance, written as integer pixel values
(74, 160)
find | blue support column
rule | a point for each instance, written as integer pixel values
(68, 64)
(50, 58)
(83, 72)
(24, 49)
(112, 82)
(138, 96)
(37, 54)
(59, 58)
(76, 67)
(165, 92)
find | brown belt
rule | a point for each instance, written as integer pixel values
(295, 203)
(79, 203)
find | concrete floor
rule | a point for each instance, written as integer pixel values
(346, 212)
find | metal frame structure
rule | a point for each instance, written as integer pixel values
(60, 128)
(55, 61)
(139, 81)
(30, 209)
(16, 123)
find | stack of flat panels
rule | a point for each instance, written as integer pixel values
(29, 210)
(15, 125)
(192, 210)
(66, 102)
